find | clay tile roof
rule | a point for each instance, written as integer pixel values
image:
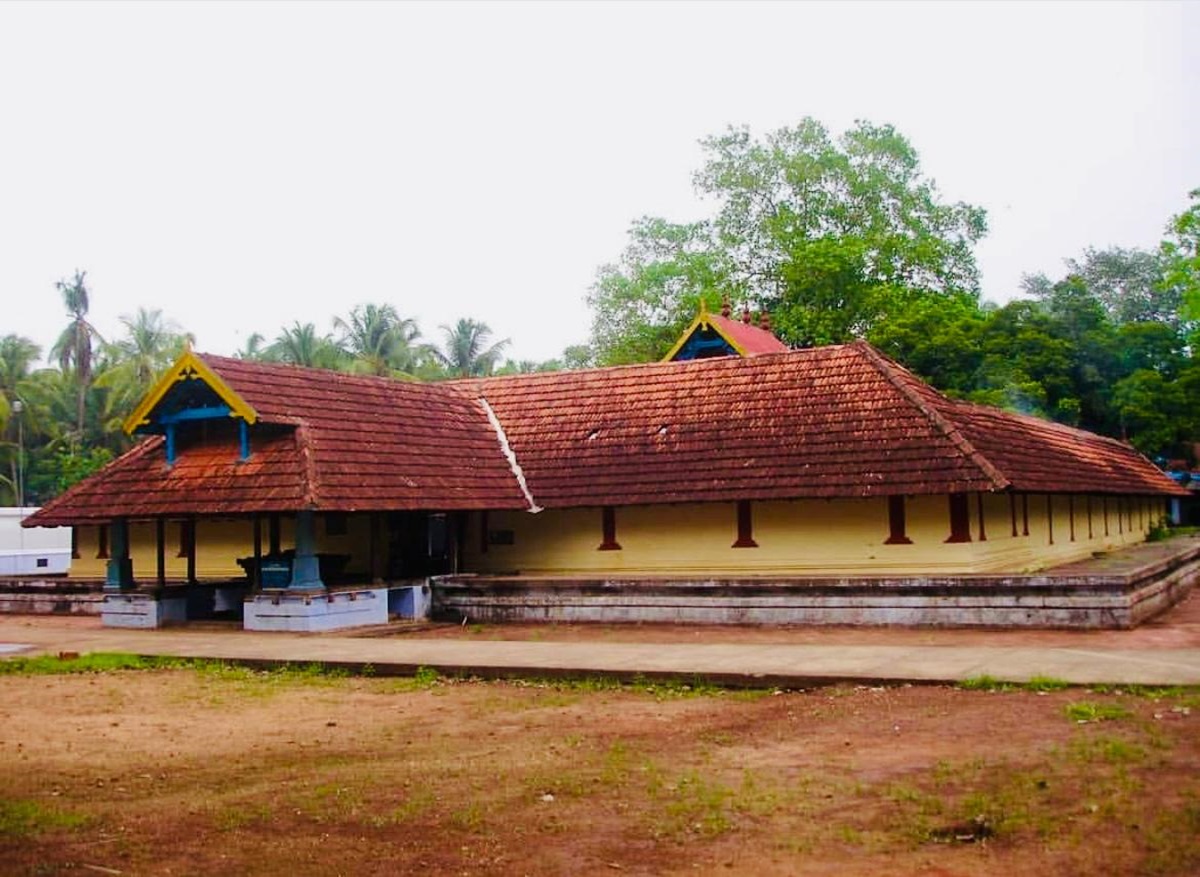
(324, 440)
(818, 423)
(839, 421)
(752, 339)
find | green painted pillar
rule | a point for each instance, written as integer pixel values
(306, 567)
(119, 572)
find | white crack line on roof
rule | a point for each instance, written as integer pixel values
(509, 455)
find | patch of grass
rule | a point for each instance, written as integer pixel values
(234, 817)
(426, 677)
(469, 818)
(1173, 839)
(985, 683)
(23, 818)
(1112, 750)
(414, 806)
(96, 662)
(1046, 683)
(697, 805)
(1086, 711)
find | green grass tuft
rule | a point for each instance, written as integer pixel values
(28, 818)
(1086, 711)
(96, 662)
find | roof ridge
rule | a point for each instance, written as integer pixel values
(309, 492)
(730, 361)
(1047, 422)
(948, 428)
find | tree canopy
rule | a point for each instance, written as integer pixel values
(832, 236)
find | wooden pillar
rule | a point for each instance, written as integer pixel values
(745, 526)
(1024, 514)
(160, 550)
(377, 567)
(960, 518)
(608, 527)
(1050, 516)
(119, 572)
(1012, 512)
(897, 522)
(256, 575)
(1071, 513)
(306, 567)
(460, 541)
(1089, 511)
(191, 549)
(982, 527)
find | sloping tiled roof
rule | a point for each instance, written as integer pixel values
(324, 440)
(752, 339)
(839, 421)
(819, 423)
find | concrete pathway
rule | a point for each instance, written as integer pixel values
(729, 663)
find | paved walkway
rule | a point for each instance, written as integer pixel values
(789, 665)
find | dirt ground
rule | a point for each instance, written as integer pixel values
(227, 771)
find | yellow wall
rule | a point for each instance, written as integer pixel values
(219, 544)
(814, 537)
(356, 542)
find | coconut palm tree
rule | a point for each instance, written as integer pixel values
(254, 349)
(75, 346)
(301, 345)
(379, 341)
(466, 352)
(17, 355)
(150, 345)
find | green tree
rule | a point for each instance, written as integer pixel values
(74, 348)
(831, 236)
(1180, 252)
(1127, 285)
(17, 356)
(1148, 407)
(253, 349)
(640, 305)
(939, 340)
(149, 346)
(834, 235)
(301, 345)
(378, 340)
(466, 351)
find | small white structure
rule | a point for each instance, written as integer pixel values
(39, 551)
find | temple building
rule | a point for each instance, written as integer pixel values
(707, 487)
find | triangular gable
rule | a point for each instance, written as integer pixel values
(704, 322)
(718, 335)
(189, 367)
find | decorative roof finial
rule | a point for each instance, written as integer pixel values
(726, 307)
(764, 321)
(703, 307)
(746, 317)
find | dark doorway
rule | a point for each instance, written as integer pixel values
(418, 545)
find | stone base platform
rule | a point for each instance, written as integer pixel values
(24, 595)
(332, 610)
(1074, 598)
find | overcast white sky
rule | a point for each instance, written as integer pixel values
(245, 166)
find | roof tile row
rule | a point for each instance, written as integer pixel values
(839, 421)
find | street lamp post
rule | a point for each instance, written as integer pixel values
(17, 407)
